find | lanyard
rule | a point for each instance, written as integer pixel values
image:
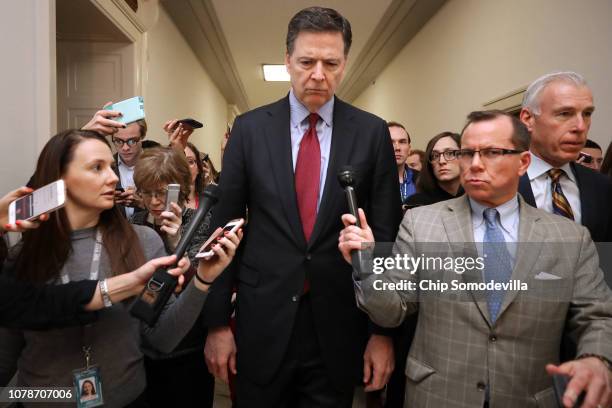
(95, 260)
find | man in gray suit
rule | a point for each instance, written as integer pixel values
(496, 349)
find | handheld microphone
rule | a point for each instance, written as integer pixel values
(346, 177)
(149, 305)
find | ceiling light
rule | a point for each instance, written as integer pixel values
(275, 73)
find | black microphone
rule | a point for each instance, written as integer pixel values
(346, 177)
(149, 305)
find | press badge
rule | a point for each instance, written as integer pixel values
(88, 387)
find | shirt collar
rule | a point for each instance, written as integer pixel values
(120, 162)
(508, 213)
(538, 167)
(299, 112)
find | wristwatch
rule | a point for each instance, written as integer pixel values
(105, 296)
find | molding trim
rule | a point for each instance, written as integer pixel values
(198, 23)
(123, 17)
(509, 102)
(400, 23)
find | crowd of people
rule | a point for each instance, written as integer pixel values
(280, 312)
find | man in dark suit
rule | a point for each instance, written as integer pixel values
(401, 149)
(300, 339)
(557, 110)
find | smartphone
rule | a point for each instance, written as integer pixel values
(44, 200)
(586, 158)
(172, 195)
(131, 110)
(560, 384)
(192, 123)
(206, 251)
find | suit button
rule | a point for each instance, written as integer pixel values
(308, 257)
(481, 386)
(492, 338)
(295, 298)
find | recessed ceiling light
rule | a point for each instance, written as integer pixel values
(275, 73)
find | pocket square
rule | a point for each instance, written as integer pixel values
(546, 276)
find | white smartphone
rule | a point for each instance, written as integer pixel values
(172, 195)
(206, 251)
(44, 200)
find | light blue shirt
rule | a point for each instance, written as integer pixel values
(299, 125)
(508, 222)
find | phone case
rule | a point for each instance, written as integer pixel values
(132, 110)
(192, 123)
(560, 384)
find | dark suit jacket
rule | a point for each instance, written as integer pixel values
(275, 259)
(595, 200)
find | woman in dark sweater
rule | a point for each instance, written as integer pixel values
(439, 179)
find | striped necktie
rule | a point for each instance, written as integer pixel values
(559, 202)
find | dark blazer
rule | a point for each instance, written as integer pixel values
(595, 200)
(275, 259)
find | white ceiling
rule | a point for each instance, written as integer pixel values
(255, 33)
(232, 38)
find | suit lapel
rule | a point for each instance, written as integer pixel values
(528, 249)
(343, 138)
(278, 140)
(585, 189)
(526, 191)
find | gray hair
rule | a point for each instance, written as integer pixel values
(530, 99)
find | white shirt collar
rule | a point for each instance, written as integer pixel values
(538, 167)
(508, 213)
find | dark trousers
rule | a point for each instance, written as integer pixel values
(302, 380)
(179, 382)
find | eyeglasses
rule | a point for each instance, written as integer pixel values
(448, 155)
(159, 194)
(488, 155)
(130, 142)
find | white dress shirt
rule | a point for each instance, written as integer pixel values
(542, 190)
(126, 173)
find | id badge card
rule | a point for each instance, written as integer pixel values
(88, 385)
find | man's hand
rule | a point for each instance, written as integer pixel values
(352, 237)
(587, 374)
(378, 362)
(220, 352)
(128, 198)
(20, 225)
(102, 122)
(178, 134)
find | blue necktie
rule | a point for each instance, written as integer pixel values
(498, 265)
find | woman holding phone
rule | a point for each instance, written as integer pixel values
(89, 239)
(168, 374)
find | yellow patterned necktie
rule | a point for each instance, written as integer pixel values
(560, 204)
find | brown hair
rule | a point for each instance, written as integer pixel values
(520, 135)
(427, 181)
(142, 125)
(163, 165)
(391, 124)
(45, 250)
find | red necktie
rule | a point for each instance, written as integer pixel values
(307, 176)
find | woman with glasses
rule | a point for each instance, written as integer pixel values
(198, 175)
(439, 178)
(89, 239)
(169, 373)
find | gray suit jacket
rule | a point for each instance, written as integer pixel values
(457, 349)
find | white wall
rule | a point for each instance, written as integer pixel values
(27, 107)
(178, 87)
(473, 51)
